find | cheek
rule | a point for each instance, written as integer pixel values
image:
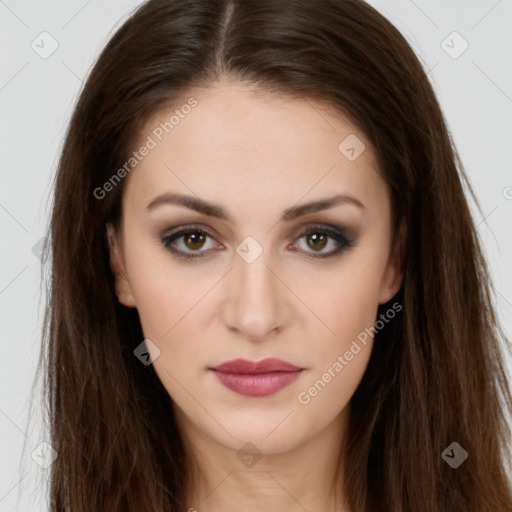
(166, 293)
(173, 316)
(350, 310)
(347, 306)
(342, 302)
(174, 305)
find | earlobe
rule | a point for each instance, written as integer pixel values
(122, 285)
(393, 276)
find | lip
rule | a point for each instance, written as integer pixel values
(245, 366)
(256, 378)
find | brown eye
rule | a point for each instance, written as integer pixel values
(317, 241)
(317, 238)
(194, 240)
(188, 243)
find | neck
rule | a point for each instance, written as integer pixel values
(303, 478)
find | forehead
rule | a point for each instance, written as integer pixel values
(238, 145)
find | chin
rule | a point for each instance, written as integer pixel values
(270, 434)
(257, 443)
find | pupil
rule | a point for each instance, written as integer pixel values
(315, 240)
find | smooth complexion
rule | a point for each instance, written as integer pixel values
(257, 157)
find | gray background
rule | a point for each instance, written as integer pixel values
(36, 99)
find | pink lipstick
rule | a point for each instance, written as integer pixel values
(251, 378)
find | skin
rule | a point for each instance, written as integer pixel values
(256, 156)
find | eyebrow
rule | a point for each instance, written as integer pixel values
(217, 211)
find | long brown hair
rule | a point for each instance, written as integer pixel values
(436, 375)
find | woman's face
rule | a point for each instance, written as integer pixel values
(256, 284)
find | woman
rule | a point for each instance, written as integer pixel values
(267, 289)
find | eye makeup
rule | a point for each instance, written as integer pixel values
(179, 241)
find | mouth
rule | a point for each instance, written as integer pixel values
(251, 378)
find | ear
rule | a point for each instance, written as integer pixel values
(394, 273)
(122, 285)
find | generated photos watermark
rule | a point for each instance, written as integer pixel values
(150, 143)
(305, 397)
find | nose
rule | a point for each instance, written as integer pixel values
(255, 302)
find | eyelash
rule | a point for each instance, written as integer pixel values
(332, 232)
